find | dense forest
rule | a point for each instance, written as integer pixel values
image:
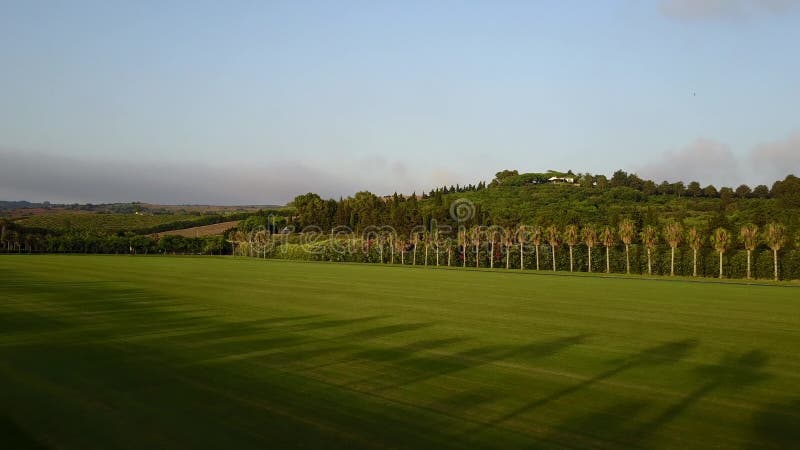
(513, 198)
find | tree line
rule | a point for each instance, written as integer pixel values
(623, 249)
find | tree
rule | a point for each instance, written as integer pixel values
(694, 189)
(761, 191)
(721, 238)
(590, 239)
(401, 247)
(650, 240)
(607, 238)
(426, 241)
(261, 242)
(522, 239)
(571, 238)
(627, 232)
(494, 236)
(553, 238)
(508, 243)
(743, 191)
(536, 239)
(673, 233)
(416, 244)
(476, 241)
(787, 191)
(748, 235)
(464, 245)
(775, 237)
(695, 240)
(436, 240)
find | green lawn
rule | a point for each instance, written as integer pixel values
(166, 352)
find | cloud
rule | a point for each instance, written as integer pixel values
(712, 162)
(704, 160)
(696, 10)
(775, 160)
(61, 179)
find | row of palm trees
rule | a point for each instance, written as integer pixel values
(774, 236)
(389, 244)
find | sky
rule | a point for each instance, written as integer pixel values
(254, 102)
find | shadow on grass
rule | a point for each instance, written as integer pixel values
(660, 354)
(617, 426)
(777, 426)
(410, 368)
(14, 437)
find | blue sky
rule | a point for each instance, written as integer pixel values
(253, 102)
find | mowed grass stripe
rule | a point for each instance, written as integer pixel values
(210, 352)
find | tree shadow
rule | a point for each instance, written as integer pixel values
(420, 368)
(659, 354)
(386, 330)
(607, 425)
(731, 372)
(777, 426)
(405, 351)
(14, 437)
(615, 425)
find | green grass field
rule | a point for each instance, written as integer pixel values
(101, 352)
(107, 223)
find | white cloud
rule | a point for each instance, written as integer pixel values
(39, 177)
(704, 160)
(712, 162)
(775, 160)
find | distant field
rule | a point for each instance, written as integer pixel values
(102, 222)
(102, 352)
(205, 230)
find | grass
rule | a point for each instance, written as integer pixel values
(201, 231)
(165, 352)
(108, 223)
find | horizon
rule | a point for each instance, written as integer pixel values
(422, 192)
(243, 104)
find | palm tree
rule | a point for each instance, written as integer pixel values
(590, 239)
(627, 233)
(721, 238)
(650, 240)
(695, 242)
(437, 243)
(476, 241)
(508, 243)
(236, 238)
(673, 233)
(553, 238)
(416, 244)
(571, 238)
(391, 240)
(464, 245)
(426, 240)
(261, 240)
(748, 235)
(401, 247)
(494, 236)
(381, 240)
(536, 239)
(775, 237)
(522, 238)
(607, 238)
(449, 250)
